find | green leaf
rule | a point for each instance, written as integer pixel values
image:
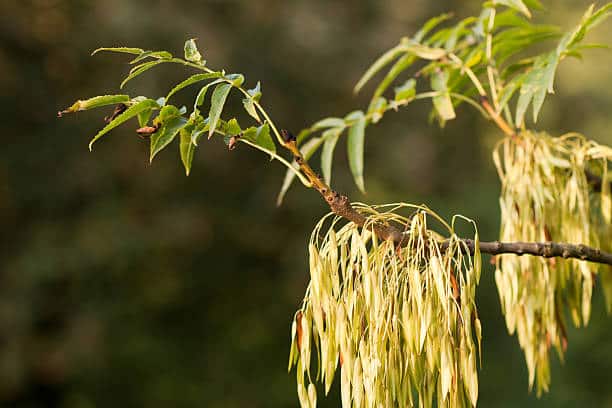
(191, 51)
(199, 100)
(152, 54)
(255, 93)
(237, 79)
(328, 123)
(400, 66)
(261, 137)
(249, 107)
(124, 50)
(186, 147)
(201, 128)
(517, 5)
(216, 105)
(330, 138)
(232, 128)
(139, 69)
(192, 80)
(126, 115)
(406, 92)
(508, 91)
(96, 102)
(430, 25)
(144, 116)
(171, 123)
(377, 108)
(355, 146)
(442, 103)
(307, 150)
(379, 64)
(423, 51)
(547, 78)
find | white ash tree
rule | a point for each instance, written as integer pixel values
(390, 308)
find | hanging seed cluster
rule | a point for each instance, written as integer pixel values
(399, 323)
(546, 196)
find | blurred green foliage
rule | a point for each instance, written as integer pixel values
(128, 284)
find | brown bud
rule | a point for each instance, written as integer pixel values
(146, 131)
(287, 136)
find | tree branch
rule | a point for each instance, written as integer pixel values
(341, 205)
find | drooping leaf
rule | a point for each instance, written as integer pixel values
(139, 69)
(442, 103)
(199, 100)
(192, 80)
(400, 66)
(186, 147)
(191, 51)
(170, 123)
(124, 50)
(379, 64)
(547, 78)
(355, 146)
(307, 150)
(218, 99)
(96, 102)
(126, 115)
(330, 137)
(430, 25)
(328, 123)
(249, 107)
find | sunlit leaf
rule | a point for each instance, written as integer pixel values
(186, 147)
(249, 107)
(96, 102)
(191, 51)
(406, 91)
(218, 98)
(124, 50)
(152, 54)
(139, 69)
(355, 146)
(199, 100)
(126, 115)
(192, 80)
(400, 66)
(255, 93)
(377, 109)
(170, 122)
(261, 137)
(328, 123)
(379, 64)
(442, 103)
(237, 79)
(330, 138)
(517, 5)
(430, 25)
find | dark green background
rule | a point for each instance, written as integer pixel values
(128, 284)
